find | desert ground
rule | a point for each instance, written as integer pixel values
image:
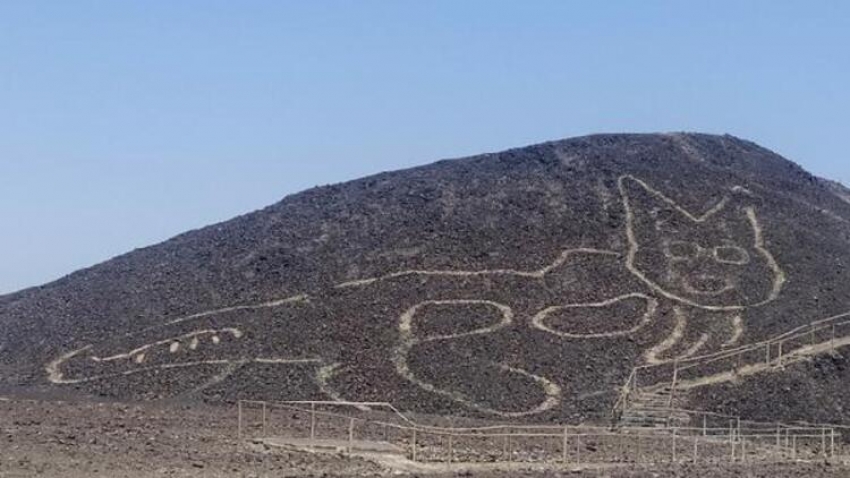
(47, 437)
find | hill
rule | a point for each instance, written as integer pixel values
(526, 283)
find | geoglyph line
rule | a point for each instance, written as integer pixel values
(634, 246)
(324, 375)
(551, 390)
(652, 355)
(57, 377)
(174, 340)
(693, 349)
(408, 339)
(537, 274)
(737, 331)
(263, 305)
(539, 319)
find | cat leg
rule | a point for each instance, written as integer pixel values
(447, 358)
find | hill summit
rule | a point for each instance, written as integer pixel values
(522, 284)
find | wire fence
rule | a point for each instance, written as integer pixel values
(380, 428)
(674, 377)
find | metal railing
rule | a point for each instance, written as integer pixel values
(790, 347)
(311, 425)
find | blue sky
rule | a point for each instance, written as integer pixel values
(125, 123)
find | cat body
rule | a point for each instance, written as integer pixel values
(499, 341)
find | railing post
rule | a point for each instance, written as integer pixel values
(639, 446)
(767, 354)
(823, 441)
(510, 447)
(812, 334)
(674, 444)
(239, 420)
(779, 358)
(564, 458)
(787, 440)
(794, 447)
(832, 442)
(265, 428)
(350, 435)
(312, 421)
(451, 446)
(732, 441)
(832, 341)
(413, 446)
(696, 451)
(673, 385)
(618, 438)
(578, 448)
(704, 427)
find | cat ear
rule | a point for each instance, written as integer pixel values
(739, 222)
(648, 207)
(649, 210)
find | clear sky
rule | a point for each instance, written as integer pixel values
(123, 123)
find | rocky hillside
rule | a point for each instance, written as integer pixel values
(523, 284)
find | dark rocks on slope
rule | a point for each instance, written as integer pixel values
(518, 210)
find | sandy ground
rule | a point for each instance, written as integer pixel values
(48, 438)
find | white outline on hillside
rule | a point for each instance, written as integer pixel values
(634, 246)
(536, 274)
(551, 391)
(539, 319)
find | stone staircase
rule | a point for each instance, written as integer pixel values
(653, 407)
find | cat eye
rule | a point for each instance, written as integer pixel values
(731, 255)
(683, 250)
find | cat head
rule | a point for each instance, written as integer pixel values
(715, 261)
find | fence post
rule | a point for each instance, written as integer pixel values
(812, 334)
(832, 442)
(832, 341)
(239, 420)
(794, 447)
(620, 446)
(767, 354)
(696, 450)
(451, 446)
(510, 446)
(673, 385)
(265, 428)
(565, 445)
(639, 446)
(350, 435)
(413, 446)
(312, 421)
(779, 358)
(823, 441)
(578, 448)
(674, 444)
(704, 427)
(732, 441)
